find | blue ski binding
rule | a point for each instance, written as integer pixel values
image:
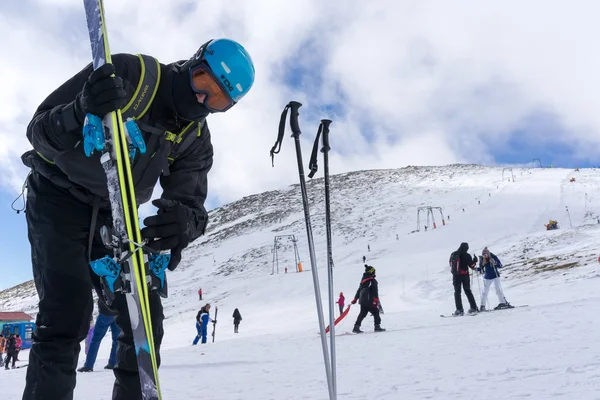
(109, 272)
(93, 134)
(157, 264)
(134, 138)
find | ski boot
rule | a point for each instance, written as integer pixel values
(85, 369)
(482, 308)
(458, 313)
(502, 306)
(378, 328)
(356, 329)
(108, 366)
(473, 310)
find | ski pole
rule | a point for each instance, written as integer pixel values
(294, 105)
(313, 166)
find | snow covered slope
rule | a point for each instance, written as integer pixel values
(547, 350)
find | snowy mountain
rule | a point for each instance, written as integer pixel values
(524, 352)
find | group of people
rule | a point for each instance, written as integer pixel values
(11, 345)
(488, 265)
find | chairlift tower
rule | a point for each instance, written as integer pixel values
(277, 243)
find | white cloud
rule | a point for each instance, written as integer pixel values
(423, 82)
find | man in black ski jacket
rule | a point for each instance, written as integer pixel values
(460, 277)
(11, 351)
(67, 199)
(367, 296)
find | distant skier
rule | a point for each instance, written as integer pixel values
(202, 320)
(368, 297)
(11, 351)
(18, 344)
(200, 294)
(460, 262)
(104, 321)
(489, 267)
(2, 347)
(364, 259)
(340, 302)
(237, 318)
(368, 247)
(397, 238)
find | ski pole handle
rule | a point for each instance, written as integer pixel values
(294, 106)
(325, 123)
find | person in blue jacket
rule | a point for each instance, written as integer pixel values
(202, 320)
(489, 266)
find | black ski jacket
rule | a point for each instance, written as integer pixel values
(367, 290)
(237, 317)
(11, 344)
(466, 261)
(56, 135)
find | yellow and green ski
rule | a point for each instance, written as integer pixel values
(127, 270)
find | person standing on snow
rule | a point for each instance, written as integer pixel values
(489, 267)
(67, 190)
(202, 320)
(367, 296)
(237, 318)
(460, 262)
(200, 294)
(104, 321)
(340, 302)
(11, 351)
(18, 344)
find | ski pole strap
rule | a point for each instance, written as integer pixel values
(277, 146)
(313, 165)
(294, 105)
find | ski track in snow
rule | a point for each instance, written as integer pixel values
(548, 350)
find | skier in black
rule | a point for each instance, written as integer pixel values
(237, 318)
(67, 198)
(368, 297)
(11, 351)
(460, 277)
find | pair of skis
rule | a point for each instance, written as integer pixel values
(130, 269)
(330, 366)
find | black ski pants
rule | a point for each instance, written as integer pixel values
(58, 229)
(364, 310)
(459, 280)
(10, 355)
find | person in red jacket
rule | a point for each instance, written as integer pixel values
(200, 294)
(341, 302)
(368, 297)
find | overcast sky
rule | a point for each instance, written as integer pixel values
(405, 82)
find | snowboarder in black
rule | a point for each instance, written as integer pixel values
(460, 262)
(237, 318)
(68, 200)
(367, 296)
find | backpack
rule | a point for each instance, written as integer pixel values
(454, 263)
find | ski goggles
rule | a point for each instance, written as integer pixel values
(205, 82)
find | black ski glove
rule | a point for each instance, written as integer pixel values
(170, 229)
(102, 93)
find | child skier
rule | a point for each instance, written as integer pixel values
(202, 320)
(368, 297)
(341, 302)
(489, 266)
(237, 318)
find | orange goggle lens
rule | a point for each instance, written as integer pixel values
(204, 82)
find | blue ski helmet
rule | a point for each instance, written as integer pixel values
(229, 62)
